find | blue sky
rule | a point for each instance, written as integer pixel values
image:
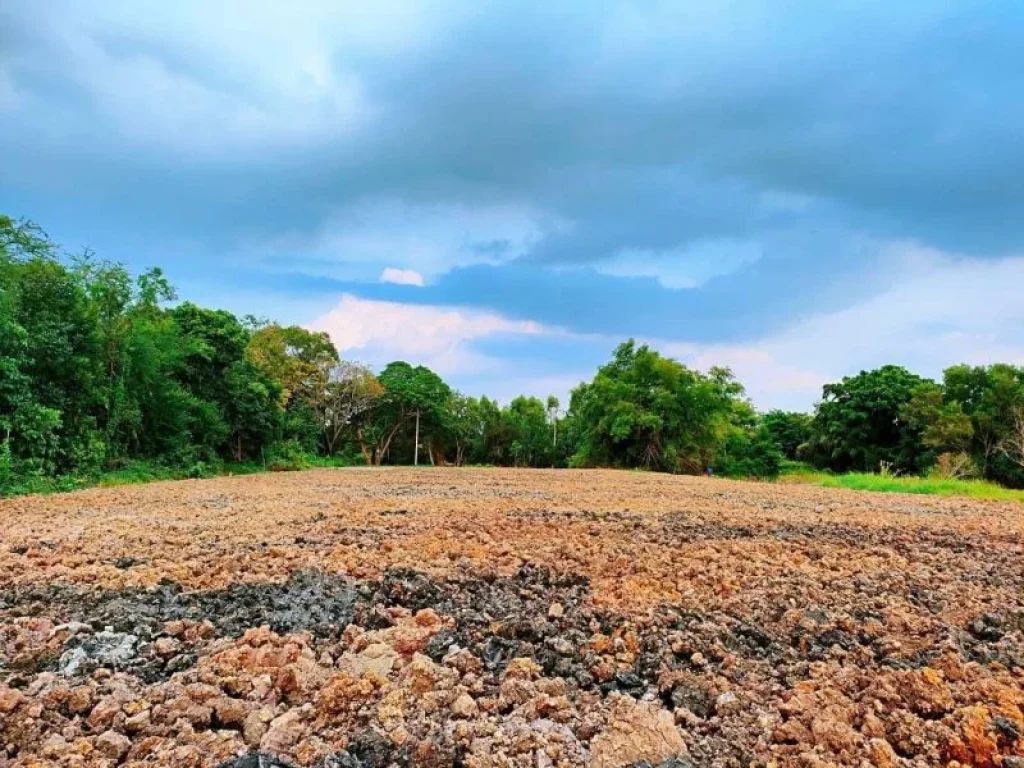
(504, 191)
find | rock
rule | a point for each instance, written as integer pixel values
(254, 728)
(562, 647)
(10, 699)
(378, 659)
(113, 744)
(927, 693)
(106, 649)
(104, 712)
(522, 668)
(636, 732)
(166, 647)
(340, 760)
(427, 618)
(284, 732)
(556, 611)
(256, 760)
(464, 706)
(693, 699)
(139, 722)
(726, 703)
(229, 712)
(882, 754)
(80, 699)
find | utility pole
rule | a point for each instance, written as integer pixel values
(416, 447)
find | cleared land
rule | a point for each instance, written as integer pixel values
(498, 617)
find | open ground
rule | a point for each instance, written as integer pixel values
(486, 617)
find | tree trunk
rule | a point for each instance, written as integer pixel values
(382, 449)
(416, 443)
(364, 448)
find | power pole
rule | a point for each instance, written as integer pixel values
(416, 447)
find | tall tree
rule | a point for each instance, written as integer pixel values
(293, 357)
(788, 430)
(530, 444)
(465, 425)
(552, 406)
(989, 396)
(409, 393)
(646, 410)
(858, 423)
(341, 394)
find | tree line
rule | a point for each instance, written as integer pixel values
(100, 369)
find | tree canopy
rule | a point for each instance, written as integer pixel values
(100, 368)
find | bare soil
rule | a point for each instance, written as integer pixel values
(485, 617)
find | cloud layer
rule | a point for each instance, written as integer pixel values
(755, 180)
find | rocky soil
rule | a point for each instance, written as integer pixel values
(508, 618)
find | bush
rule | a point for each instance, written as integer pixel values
(6, 465)
(747, 455)
(286, 456)
(954, 466)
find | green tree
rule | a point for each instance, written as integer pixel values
(788, 430)
(989, 396)
(465, 425)
(50, 356)
(341, 394)
(858, 424)
(251, 409)
(410, 394)
(292, 357)
(527, 428)
(943, 425)
(750, 453)
(645, 410)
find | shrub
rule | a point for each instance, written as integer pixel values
(286, 456)
(954, 466)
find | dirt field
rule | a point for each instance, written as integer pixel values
(496, 617)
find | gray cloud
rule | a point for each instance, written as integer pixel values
(216, 138)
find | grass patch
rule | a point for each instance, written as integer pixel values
(137, 472)
(857, 481)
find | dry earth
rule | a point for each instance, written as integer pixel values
(497, 617)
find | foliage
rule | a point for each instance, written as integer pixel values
(105, 378)
(408, 393)
(340, 393)
(1012, 443)
(526, 421)
(646, 410)
(859, 424)
(751, 454)
(954, 466)
(788, 430)
(293, 358)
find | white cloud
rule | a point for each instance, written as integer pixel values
(426, 238)
(401, 276)
(939, 310)
(685, 267)
(378, 332)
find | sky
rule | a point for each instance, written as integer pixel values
(506, 191)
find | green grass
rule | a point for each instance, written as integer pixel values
(136, 472)
(857, 481)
